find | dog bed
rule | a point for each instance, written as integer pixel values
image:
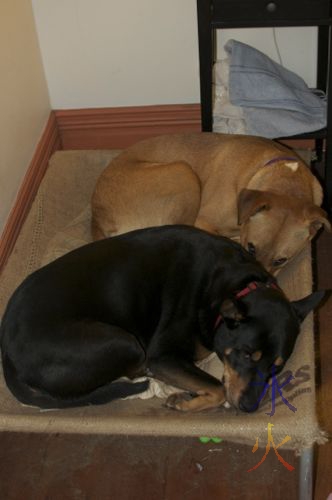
(59, 221)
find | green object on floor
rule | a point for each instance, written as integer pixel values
(205, 439)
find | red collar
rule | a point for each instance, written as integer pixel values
(253, 285)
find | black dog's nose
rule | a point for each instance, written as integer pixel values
(243, 407)
(247, 405)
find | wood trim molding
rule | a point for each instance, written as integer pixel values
(107, 128)
(95, 128)
(48, 144)
(299, 143)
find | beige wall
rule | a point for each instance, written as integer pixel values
(100, 53)
(24, 101)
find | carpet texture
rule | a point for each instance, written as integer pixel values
(59, 221)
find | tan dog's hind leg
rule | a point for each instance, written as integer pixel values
(140, 194)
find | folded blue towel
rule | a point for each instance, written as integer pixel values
(276, 102)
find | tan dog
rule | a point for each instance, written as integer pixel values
(243, 187)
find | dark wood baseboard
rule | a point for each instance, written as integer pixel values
(98, 128)
(107, 128)
(49, 143)
(299, 143)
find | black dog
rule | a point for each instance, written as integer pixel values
(145, 302)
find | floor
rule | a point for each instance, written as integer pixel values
(74, 467)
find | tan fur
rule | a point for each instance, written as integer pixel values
(199, 179)
(205, 400)
(234, 384)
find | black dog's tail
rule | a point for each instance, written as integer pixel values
(35, 397)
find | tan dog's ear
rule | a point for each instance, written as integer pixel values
(250, 202)
(317, 218)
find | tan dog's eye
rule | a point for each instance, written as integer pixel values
(279, 262)
(251, 249)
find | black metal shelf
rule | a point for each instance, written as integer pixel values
(280, 23)
(226, 14)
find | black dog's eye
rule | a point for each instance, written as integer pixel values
(231, 323)
(254, 356)
(251, 249)
(279, 262)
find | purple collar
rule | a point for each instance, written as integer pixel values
(280, 158)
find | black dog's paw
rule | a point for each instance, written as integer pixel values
(179, 401)
(204, 399)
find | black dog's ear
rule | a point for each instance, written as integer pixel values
(231, 313)
(303, 306)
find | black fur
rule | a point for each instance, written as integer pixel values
(138, 302)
